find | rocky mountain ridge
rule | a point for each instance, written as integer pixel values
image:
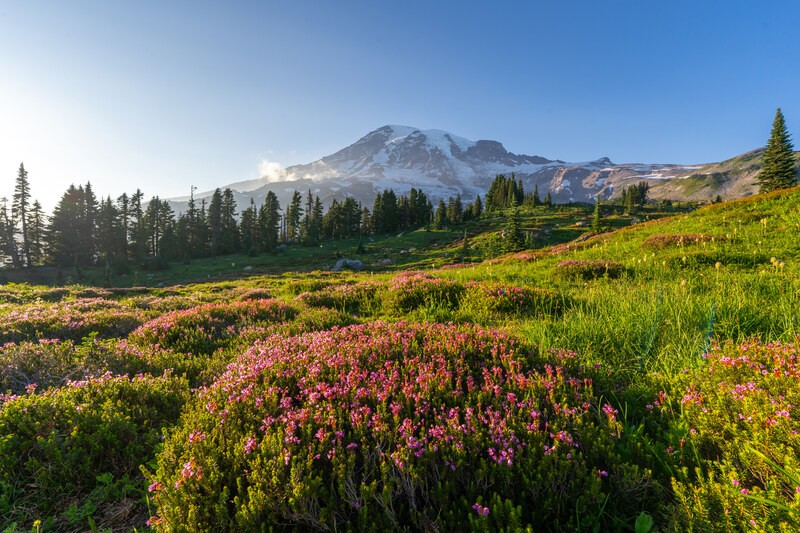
(443, 164)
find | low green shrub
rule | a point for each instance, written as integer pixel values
(355, 298)
(70, 319)
(736, 440)
(410, 290)
(206, 328)
(40, 365)
(256, 294)
(63, 449)
(490, 298)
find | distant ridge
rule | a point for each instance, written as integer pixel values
(443, 164)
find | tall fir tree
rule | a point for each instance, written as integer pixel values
(38, 221)
(269, 221)
(215, 221)
(596, 217)
(294, 215)
(231, 240)
(138, 229)
(513, 239)
(20, 211)
(477, 207)
(66, 235)
(8, 236)
(778, 170)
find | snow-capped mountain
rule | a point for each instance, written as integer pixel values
(442, 165)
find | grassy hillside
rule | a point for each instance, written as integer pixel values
(732, 178)
(641, 379)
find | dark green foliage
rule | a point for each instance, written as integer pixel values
(596, 217)
(71, 233)
(411, 290)
(634, 196)
(269, 222)
(294, 214)
(778, 170)
(513, 240)
(21, 212)
(504, 192)
(66, 443)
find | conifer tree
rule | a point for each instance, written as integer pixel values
(20, 208)
(778, 170)
(215, 221)
(294, 214)
(477, 207)
(8, 240)
(269, 221)
(64, 235)
(38, 219)
(513, 236)
(440, 218)
(231, 240)
(596, 216)
(138, 230)
(249, 229)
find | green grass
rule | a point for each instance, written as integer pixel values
(643, 339)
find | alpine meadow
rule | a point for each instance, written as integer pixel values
(417, 331)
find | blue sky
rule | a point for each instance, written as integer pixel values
(165, 95)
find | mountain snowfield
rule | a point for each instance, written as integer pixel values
(442, 165)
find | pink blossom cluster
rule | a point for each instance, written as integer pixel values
(209, 323)
(747, 390)
(457, 265)
(422, 390)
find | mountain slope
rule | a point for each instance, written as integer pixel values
(443, 164)
(732, 178)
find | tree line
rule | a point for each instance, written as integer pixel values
(84, 230)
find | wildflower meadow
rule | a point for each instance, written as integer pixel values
(642, 379)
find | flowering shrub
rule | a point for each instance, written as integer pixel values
(60, 446)
(589, 269)
(204, 328)
(71, 319)
(411, 290)
(41, 365)
(393, 426)
(256, 294)
(737, 436)
(358, 297)
(500, 298)
(454, 266)
(658, 242)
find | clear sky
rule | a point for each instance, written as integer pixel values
(164, 95)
